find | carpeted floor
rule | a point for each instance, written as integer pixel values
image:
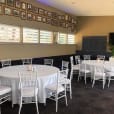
(86, 100)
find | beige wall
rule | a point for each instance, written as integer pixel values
(94, 25)
(16, 51)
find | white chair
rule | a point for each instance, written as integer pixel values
(84, 71)
(73, 66)
(57, 91)
(64, 78)
(100, 57)
(65, 65)
(28, 88)
(6, 62)
(77, 59)
(110, 74)
(99, 74)
(48, 62)
(27, 61)
(87, 57)
(5, 94)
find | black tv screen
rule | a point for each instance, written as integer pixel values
(111, 38)
(94, 43)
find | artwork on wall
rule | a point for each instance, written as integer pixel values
(30, 12)
(7, 11)
(3, 1)
(10, 2)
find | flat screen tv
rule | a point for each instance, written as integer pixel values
(94, 43)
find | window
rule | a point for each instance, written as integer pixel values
(71, 39)
(30, 35)
(46, 36)
(62, 38)
(9, 33)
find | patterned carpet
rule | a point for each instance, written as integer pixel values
(86, 100)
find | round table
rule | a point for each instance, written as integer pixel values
(46, 75)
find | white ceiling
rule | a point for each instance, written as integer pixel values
(83, 7)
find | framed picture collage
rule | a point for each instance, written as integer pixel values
(27, 11)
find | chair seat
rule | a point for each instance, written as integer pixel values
(54, 88)
(4, 90)
(29, 92)
(85, 71)
(76, 67)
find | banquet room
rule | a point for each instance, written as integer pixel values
(56, 57)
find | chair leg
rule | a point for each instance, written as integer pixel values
(109, 81)
(85, 79)
(20, 105)
(70, 91)
(0, 109)
(56, 102)
(36, 104)
(93, 83)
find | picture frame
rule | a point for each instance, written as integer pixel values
(54, 15)
(7, 11)
(45, 12)
(10, 3)
(29, 7)
(23, 15)
(23, 5)
(17, 4)
(29, 16)
(1, 9)
(3, 1)
(16, 12)
(43, 19)
(35, 9)
(54, 22)
(48, 20)
(34, 17)
(41, 11)
(49, 14)
(39, 18)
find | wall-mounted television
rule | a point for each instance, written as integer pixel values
(94, 43)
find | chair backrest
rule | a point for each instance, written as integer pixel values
(65, 65)
(99, 70)
(27, 61)
(48, 62)
(28, 79)
(71, 60)
(59, 81)
(101, 57)
(87, 57)
(77, 59)
(6, 62)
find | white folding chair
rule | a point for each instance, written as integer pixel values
(99, 74)
(48, 62)
(57, 91)
(64, 78)
(100, 57)
(28, 88)
(6, 62)
(75, 67)
(84, 71)
(27, 61)
(5, 94)
(77, 59)
(87, 57)
(110, 74)
(65, 65)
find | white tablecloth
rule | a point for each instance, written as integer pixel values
(46, 75)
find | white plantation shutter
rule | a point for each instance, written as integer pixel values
(71, 39)
(30, 35)
(46, 36)
(62, 38)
